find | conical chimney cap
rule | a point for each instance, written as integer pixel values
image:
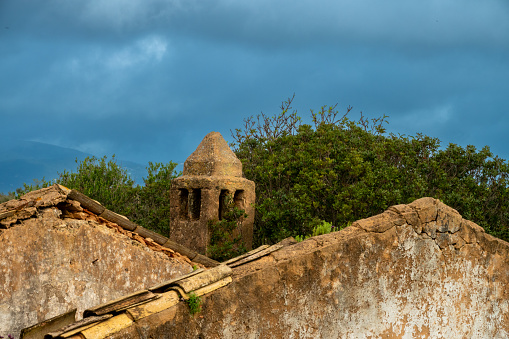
(213, 157)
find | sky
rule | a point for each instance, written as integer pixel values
(148, 79)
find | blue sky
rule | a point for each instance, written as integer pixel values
(148, 79)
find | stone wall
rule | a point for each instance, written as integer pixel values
(52, 262)
(415, 271)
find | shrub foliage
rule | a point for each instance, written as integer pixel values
(225, 234)
(107, 182)
(339, 170)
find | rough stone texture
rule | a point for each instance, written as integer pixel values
(415, 271)
(213, 157)
(209, 173)
(56, 256)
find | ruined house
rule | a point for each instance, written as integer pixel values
(415, 271)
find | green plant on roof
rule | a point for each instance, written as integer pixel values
(319, 227)
(194, 303)
(226, 234)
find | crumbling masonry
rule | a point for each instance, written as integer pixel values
(211, 174)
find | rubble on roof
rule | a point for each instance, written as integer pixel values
(76, 205)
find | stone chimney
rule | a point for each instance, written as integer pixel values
(211, 173)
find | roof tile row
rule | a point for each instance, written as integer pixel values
(106, 319)
(88, 209)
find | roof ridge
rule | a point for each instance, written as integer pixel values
(26, 207)
(126, 224)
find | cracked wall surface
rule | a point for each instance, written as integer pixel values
(414, 271)
(56, 256)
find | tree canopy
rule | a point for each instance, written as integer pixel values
(110, 184)
(339, 170)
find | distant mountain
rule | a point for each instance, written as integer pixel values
(23, 161)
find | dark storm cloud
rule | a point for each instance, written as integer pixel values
(147, 79)
(444, 22)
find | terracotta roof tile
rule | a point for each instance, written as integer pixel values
(109, 318)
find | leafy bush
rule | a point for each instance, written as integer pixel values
(339, 170)
(152, 208)
(6, 197)
(102, 180)
(194, 303)
(110, 184)
(322, 227)
(225, 243)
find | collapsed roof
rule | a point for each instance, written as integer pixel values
(63, 250)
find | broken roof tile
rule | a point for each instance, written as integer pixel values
(67, 200)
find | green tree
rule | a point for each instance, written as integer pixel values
(225, 236)
(339, 171)
(107, 182)
(103, 180)
(152, 208)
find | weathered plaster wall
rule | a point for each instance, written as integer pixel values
(415, 271)
(50, 264)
